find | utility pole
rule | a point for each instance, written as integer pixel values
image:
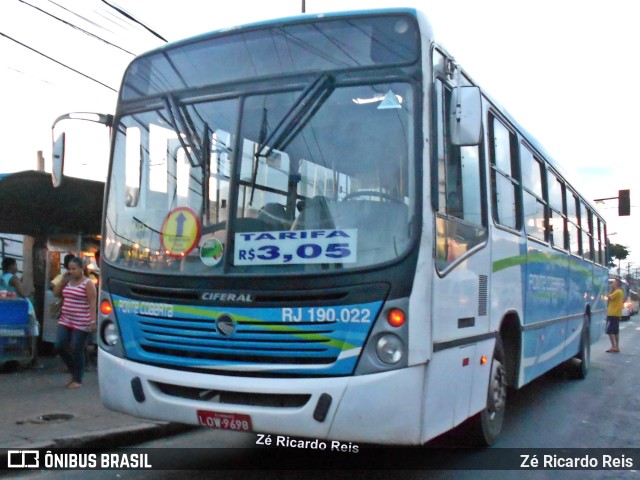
(40, 161)
(304, 9)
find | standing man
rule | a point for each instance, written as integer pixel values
(614, 312)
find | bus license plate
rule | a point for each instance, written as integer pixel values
(225, 421)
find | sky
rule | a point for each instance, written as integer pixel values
(564, 69)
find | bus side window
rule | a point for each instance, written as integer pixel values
(601, 244)
(558, 232)
(504, 177)
(533, 193)
(572, 221)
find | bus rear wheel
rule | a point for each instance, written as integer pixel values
(487, 425)
(584, 356)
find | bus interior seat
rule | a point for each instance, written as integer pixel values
(274, 215)
(316, 214)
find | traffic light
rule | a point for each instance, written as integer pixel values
(624, 203)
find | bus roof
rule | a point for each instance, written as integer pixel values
(279, 20)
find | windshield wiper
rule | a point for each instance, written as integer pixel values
(303, 109)
(185, 130)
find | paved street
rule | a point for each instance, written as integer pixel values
(552, 412)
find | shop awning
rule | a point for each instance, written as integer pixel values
(29, 205)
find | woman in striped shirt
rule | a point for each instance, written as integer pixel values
(77, 319)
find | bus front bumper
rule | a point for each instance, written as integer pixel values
(375, 408)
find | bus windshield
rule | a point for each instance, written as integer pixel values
(322, 180)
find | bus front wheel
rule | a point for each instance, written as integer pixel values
(487, 425)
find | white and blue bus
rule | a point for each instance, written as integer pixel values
(322, 227)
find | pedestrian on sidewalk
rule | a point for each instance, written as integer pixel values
(614, 312)
(77, 319)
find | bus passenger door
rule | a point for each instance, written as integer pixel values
(461, 257)
(460, 309)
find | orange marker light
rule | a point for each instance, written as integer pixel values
(105, 307)
(396, 317)
(483, 359)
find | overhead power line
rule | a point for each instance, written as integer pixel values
(56, 61)
(86, 32)
(130, 17)
(86, 19)
(20, 72)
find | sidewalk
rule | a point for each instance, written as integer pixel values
(38, 411)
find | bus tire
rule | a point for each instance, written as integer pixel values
(487, 425)
(582, 369)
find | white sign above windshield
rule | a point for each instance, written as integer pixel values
(301, 247)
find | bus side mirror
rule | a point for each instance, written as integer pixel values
(465, 116)
(57, 160)
(58, 150)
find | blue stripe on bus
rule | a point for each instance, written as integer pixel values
(557, 289)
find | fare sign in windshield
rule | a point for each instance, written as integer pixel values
(296, 247)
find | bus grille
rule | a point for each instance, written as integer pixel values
(269, 343)
(238, 340)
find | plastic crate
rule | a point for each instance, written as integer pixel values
(14, 312)
(16, 343)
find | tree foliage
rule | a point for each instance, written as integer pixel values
(618, 252)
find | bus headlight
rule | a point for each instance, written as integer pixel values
(389, 348)
(110, 335)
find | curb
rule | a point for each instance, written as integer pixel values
(113, 437)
